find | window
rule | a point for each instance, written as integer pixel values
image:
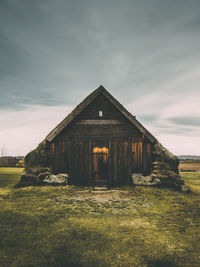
(100, 113)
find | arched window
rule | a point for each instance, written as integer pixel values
(100, 113)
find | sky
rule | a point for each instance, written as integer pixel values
(53, 53)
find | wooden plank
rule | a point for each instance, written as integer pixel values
(114, 156)
(144, 157)
(140, 155)
(90, 162)
(125, 162)
(71, 149)
(129, 159)
(52, 155)
(86, 160)
(125, 154)
(137, 149)
(149, 156)
(100, 122)
(110, 161)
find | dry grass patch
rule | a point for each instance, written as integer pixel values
(189, 166)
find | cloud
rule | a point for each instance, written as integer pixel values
(190, 121)
(172, 119)
(54, 51)
(22, 130)
(146, 53)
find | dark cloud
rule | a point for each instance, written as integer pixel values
(56, 52)
(148, 118)
(187, 121)
(183, 131)
(12, 57)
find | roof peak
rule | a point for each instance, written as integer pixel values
(100, 90)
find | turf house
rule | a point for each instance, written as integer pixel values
(101, 143)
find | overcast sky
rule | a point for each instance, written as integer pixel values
(53, 53)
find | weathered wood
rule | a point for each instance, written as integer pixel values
(52, 155)
(114, 160)
(90, 162)
(120, 155)
(129, 160)
(137, 156)
(114, 130)
(110, 160)
(149, 157)
(129, 149)
(144, 158)
(100, 122)
(71, 156)
(85, 104)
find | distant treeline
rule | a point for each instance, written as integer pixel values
(11, 161)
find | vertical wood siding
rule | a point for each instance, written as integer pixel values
(120, 161)
(129, 151)
(137, 150)
(80, 162)
(149, 157)
(73, 157)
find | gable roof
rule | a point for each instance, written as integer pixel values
(86, 102)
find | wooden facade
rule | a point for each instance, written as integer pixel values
(100, 143)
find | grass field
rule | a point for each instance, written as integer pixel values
(69, 226)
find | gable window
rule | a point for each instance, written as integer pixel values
(100, 113)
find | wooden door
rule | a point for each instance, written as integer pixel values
(100, 164)
(120, 158)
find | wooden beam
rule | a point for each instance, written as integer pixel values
(101, 122)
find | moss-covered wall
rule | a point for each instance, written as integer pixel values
(165, 167)
(36, 166)
(161, 154)
(39, 157)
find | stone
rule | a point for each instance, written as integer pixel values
(33, 176)
(161, 165)
(57, 179)
(165, 174)
(185, 188)
(27, 180)
(139, 179)
(42, 176)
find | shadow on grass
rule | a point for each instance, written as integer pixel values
(164, 262)
(29, 241)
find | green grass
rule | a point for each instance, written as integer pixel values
(9, 176)
(73, 226)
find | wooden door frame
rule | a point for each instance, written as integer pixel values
(98, 156)
(96, 142)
